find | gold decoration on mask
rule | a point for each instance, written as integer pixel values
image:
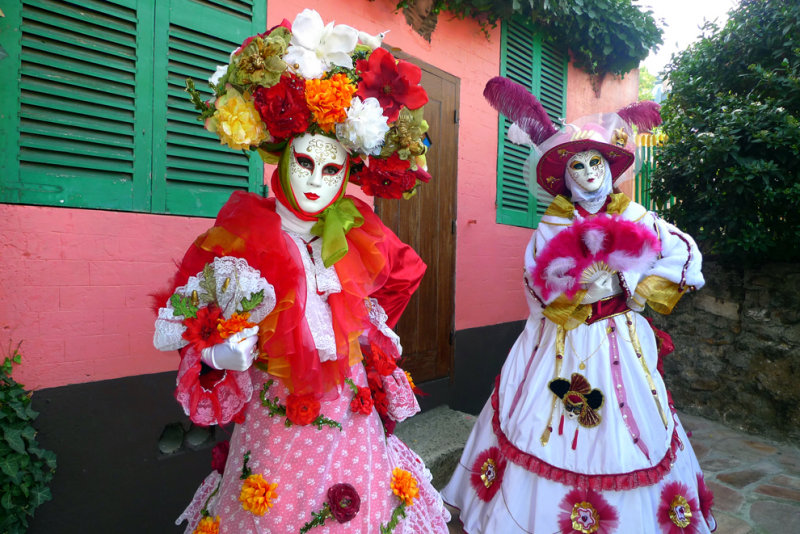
(619, 138)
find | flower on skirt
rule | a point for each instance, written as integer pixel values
(257, 494)
(679, 511)
(487, 473)
(706, 497)
(207, 525)
(404, 485)
(585, 511)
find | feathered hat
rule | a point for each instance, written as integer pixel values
(608, 133)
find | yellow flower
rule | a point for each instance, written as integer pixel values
(236, 121)
(329, 99)
(237, 323)
(257, 494)
(404, 486)
(207, 525)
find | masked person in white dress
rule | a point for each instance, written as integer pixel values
(579, 434)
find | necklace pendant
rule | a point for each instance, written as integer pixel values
(582, 366)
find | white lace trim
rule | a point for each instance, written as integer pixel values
(234, 280)
(318, 278)
(378, 317)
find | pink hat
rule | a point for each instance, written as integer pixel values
(608, 133)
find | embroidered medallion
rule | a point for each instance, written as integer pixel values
(487, 473)
(585, 511)
(677, 511)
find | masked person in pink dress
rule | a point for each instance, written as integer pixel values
(580, 435)
(282, 311)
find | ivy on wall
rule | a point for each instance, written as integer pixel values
(603, 36)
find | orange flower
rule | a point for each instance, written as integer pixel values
(257, 494)
(329, 99)
(207, 525)
(237, 323)
(408, 375)
(404, 486)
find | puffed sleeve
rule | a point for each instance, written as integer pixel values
(677, 270)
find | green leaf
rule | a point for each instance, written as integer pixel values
(13, 437)
(10, 466)
(254, 300)
(183, 306)
(40, 495)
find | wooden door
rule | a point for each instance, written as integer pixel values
(427, 222)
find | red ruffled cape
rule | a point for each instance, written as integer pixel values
(376, 265)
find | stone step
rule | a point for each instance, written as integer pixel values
(438, 436)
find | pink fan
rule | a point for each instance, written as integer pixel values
(588, 249)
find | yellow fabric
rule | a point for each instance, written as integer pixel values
(563, 208)
(661, 294)
(568, 313)
(218, 237)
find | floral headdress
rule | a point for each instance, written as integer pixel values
(308, 77)
(552, 147)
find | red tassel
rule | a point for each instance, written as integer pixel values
(561, 426)
(575, 440)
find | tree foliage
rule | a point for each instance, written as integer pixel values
(732, 160)
(603, 36)
(647, 82)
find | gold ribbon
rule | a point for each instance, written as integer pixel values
(332, 226)
(568, 313)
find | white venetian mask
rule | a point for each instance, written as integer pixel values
(316, 171)
(587, 169)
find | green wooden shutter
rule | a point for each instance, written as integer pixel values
(93, 92)
(542, 69)
(72, 74)
(193, 174)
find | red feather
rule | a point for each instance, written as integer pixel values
(520, 106)
(646, 114)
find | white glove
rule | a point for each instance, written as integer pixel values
(236, 353)
(604, 286)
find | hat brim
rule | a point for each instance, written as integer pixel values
(553, 163)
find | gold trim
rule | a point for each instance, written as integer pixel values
(637, 348)
(661, 294)
(561, 335)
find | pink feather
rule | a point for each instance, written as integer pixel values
(519, 106)
(626, 246)
(645, 114)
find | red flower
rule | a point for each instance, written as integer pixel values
(394, 83)
(487, 473)
(386, 177)
(301, 409)
(201, 331)
(219, 455)
(585, 511)
(706, 497)
(679, 511)
(283, 107)
(362, 401)
(344, 502)
(378, 360)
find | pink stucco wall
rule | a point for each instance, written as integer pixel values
(76, 281)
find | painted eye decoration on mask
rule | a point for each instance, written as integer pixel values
(576, 165)
(304, 161)
(595, 161)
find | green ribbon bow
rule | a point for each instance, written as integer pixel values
(332, 226)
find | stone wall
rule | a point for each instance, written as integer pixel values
(737, 349)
